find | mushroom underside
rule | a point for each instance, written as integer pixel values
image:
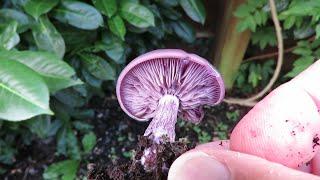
(193, 84)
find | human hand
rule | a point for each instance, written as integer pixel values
(280, 130)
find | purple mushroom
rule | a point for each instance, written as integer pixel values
(164, 84)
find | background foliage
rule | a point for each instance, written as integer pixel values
(301, 31)
(56, 55)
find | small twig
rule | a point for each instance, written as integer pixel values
(268, 55)
(204, 34)
(253, 100)
(273, 54)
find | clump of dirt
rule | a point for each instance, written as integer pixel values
(166, 154)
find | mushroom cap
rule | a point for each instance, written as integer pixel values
(192, 79)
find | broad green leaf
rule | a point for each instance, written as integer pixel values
(114, 48)
(7, 15)
(88, 142)
(78, 14)
(76, 38)
(184, 31)
(107, 7)
(98, 67)
(91, 80)
(137, 15)
(47, 37)
(38, 7)
(117, 26)
(55, 72)
(23, 93)
(70, 98)
(169, 3)
(9, 36)
(170, 13)
(194, 9)
(63, 170)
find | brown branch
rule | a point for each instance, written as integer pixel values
(273, 54)
(253, 100)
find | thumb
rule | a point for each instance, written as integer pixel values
(207, 163)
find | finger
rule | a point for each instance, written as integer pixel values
(224, 145)
(283, 128)
(224, 164)
(315, 164)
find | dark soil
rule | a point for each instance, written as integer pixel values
(118, 146)
(166, 154)
(109, 161)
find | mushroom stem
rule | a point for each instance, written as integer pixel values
(164, 120)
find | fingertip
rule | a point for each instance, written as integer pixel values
(198, 165)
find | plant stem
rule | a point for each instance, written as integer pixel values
(165, 118)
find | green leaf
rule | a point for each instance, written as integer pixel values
(117, 26)
(63, 170)
(75, 38)
(300, 65)
(70, 98)
(303, 51)
(317, 31)
(90, 79)
(242, 11)
(114, 48)
(9, 36)
(264, 36)
(23, 92)
(194, 9)
(168, 2)
(67, 143)
(42, 126)
(89, 141)
(55, 72)
(38, 7)
(78, 14)
(184, 31)
(254, 74)
(8, 15)
(289, 22)
(107, 7)
(47, 37)
(98, 67)
(137, 15)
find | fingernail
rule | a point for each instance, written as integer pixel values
(198, 165)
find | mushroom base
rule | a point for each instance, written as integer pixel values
(164, 120)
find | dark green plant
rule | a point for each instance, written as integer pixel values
(65, 52)
(300, 23)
